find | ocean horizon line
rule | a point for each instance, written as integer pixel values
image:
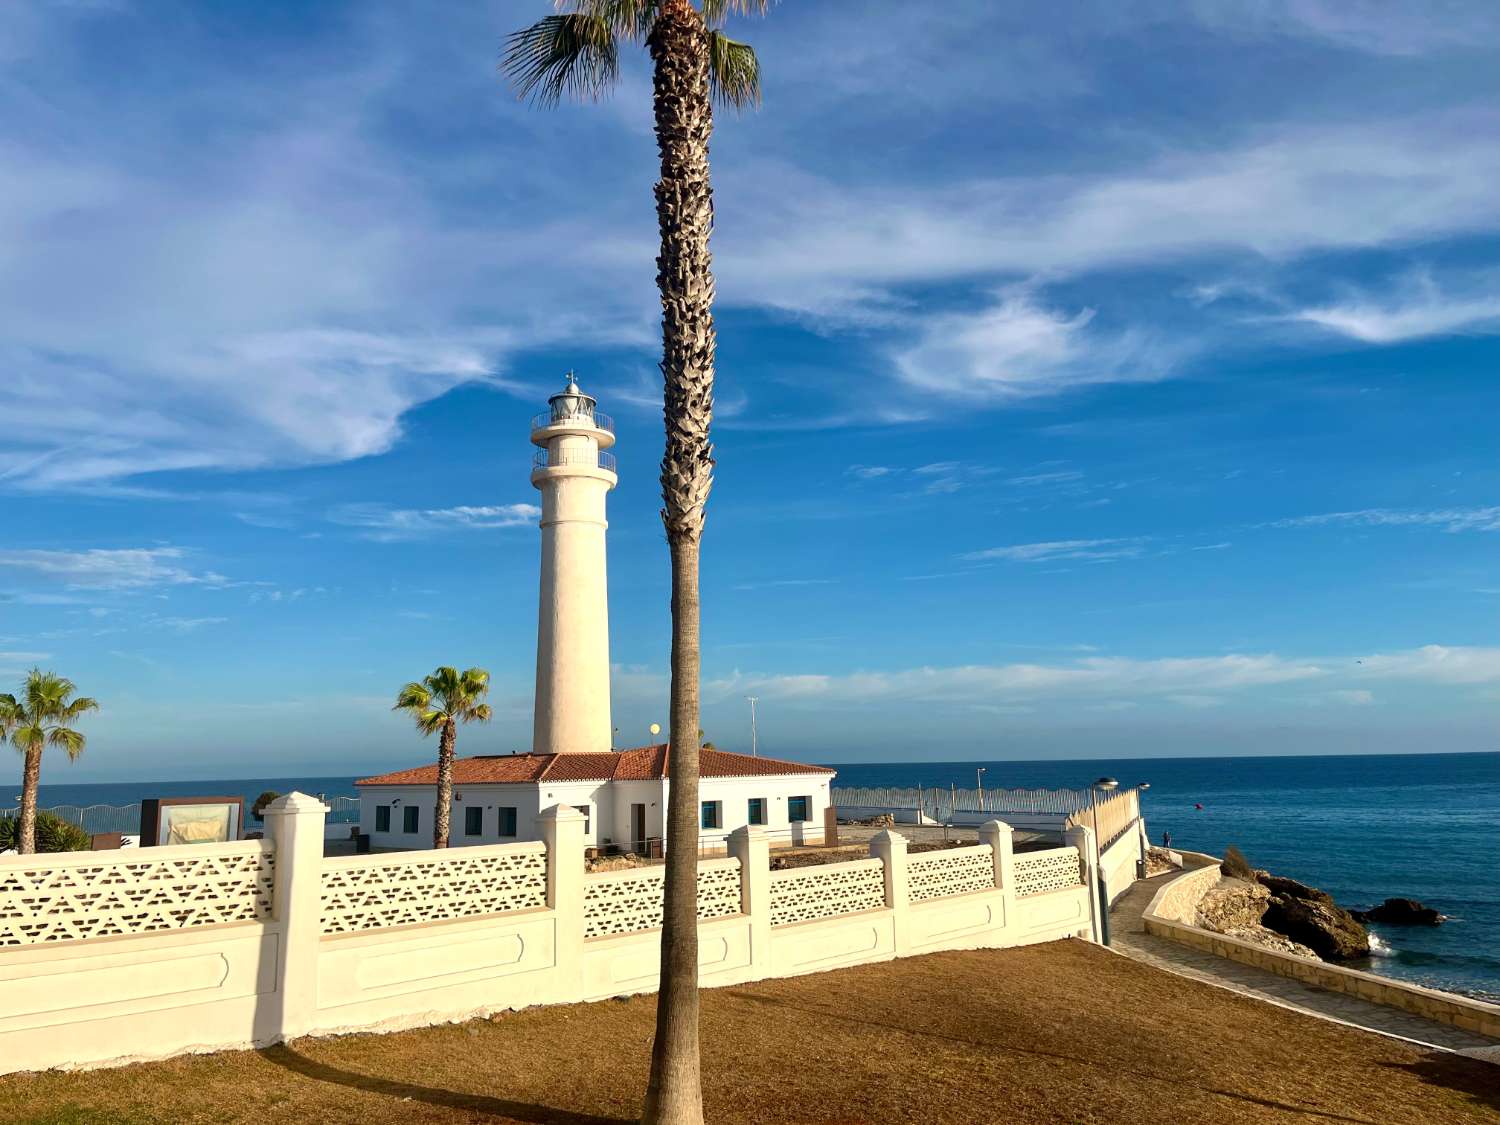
(73, 780)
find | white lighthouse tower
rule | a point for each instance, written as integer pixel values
(572, 638)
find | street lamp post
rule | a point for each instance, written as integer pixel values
(1108, 784)
(754, 736)
(979, 781)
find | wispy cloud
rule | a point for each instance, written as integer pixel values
(1091, 550)
(106, 569)
(384, 523)
(1017, 348)
(1453, 520)
(1417, 308)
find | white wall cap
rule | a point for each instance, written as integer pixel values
(295, 802)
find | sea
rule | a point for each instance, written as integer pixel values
(1361, 827)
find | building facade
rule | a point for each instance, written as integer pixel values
(622, 794)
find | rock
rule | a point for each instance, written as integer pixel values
(1233, 905)
(1270, 939)
(1400, 912)
(1280, 885)
(1329, 930)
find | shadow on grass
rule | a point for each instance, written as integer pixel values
(1106, 1065)
(283, 1056)
(1478, 1079)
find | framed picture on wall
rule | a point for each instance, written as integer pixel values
(191, 820)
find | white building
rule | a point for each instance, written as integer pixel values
(622, 792)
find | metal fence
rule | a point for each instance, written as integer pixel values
(93, 818)
(940, 804)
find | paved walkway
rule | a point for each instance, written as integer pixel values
(1128, 936)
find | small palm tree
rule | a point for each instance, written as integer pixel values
(575, 53)
(43, 716)
(438, 704)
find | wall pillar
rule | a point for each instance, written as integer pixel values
(295, 825)
(562, 832)
(890, 848)
(752, 847)
(1081, 838)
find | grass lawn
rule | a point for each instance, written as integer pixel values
(1064, 1032)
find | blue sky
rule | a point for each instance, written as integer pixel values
(1098, 380)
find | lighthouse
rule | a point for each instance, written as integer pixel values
(573, 473)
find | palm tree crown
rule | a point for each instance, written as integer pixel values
(45, 714)
(576, 53)
(446, 696)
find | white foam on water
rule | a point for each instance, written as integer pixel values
(1379, 948)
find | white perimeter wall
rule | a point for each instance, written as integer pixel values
(267, 940)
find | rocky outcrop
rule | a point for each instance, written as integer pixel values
(1234, 908)
(1233, 904)
(1400, 912)
(1330, 930)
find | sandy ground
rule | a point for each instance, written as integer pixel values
(1061, 1033)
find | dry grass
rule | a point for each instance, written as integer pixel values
(1058, 1033)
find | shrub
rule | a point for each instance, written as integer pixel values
(53, 834)
(1236, 866)
(258, 810)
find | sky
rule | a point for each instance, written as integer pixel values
(1094, 380)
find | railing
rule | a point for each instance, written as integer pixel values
(804, 894)
(595, 419)
(941, 804)
(93, 819)
(542, 459)
(342, 810)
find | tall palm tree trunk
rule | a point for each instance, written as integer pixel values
(441, 815)
(30, 778)
(684, 208)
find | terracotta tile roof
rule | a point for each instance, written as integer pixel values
(645, 763)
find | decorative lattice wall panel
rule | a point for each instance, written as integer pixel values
(1054, 870)
(825, 891)
(954, 871)
(366, 894)
(48, 898)
(626, 902)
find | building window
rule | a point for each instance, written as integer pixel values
(713, 814)
(473, 822)
(382, 818)
(757, 810)
(796, 809)
(507, 821)
(409, 819)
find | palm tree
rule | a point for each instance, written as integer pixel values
(438, 704)
(576, 53)
(44, 716)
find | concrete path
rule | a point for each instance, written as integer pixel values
(1128, 936)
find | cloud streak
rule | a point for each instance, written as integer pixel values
(111, 569)
(383, 523)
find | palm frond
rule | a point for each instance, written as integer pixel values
(715, 12)
(733, 71)
(575, 54)
(28, 736)
(480, 714)
(629, 19)
(430, 722)
(70, 740)
(413, 697)
(78, 707)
